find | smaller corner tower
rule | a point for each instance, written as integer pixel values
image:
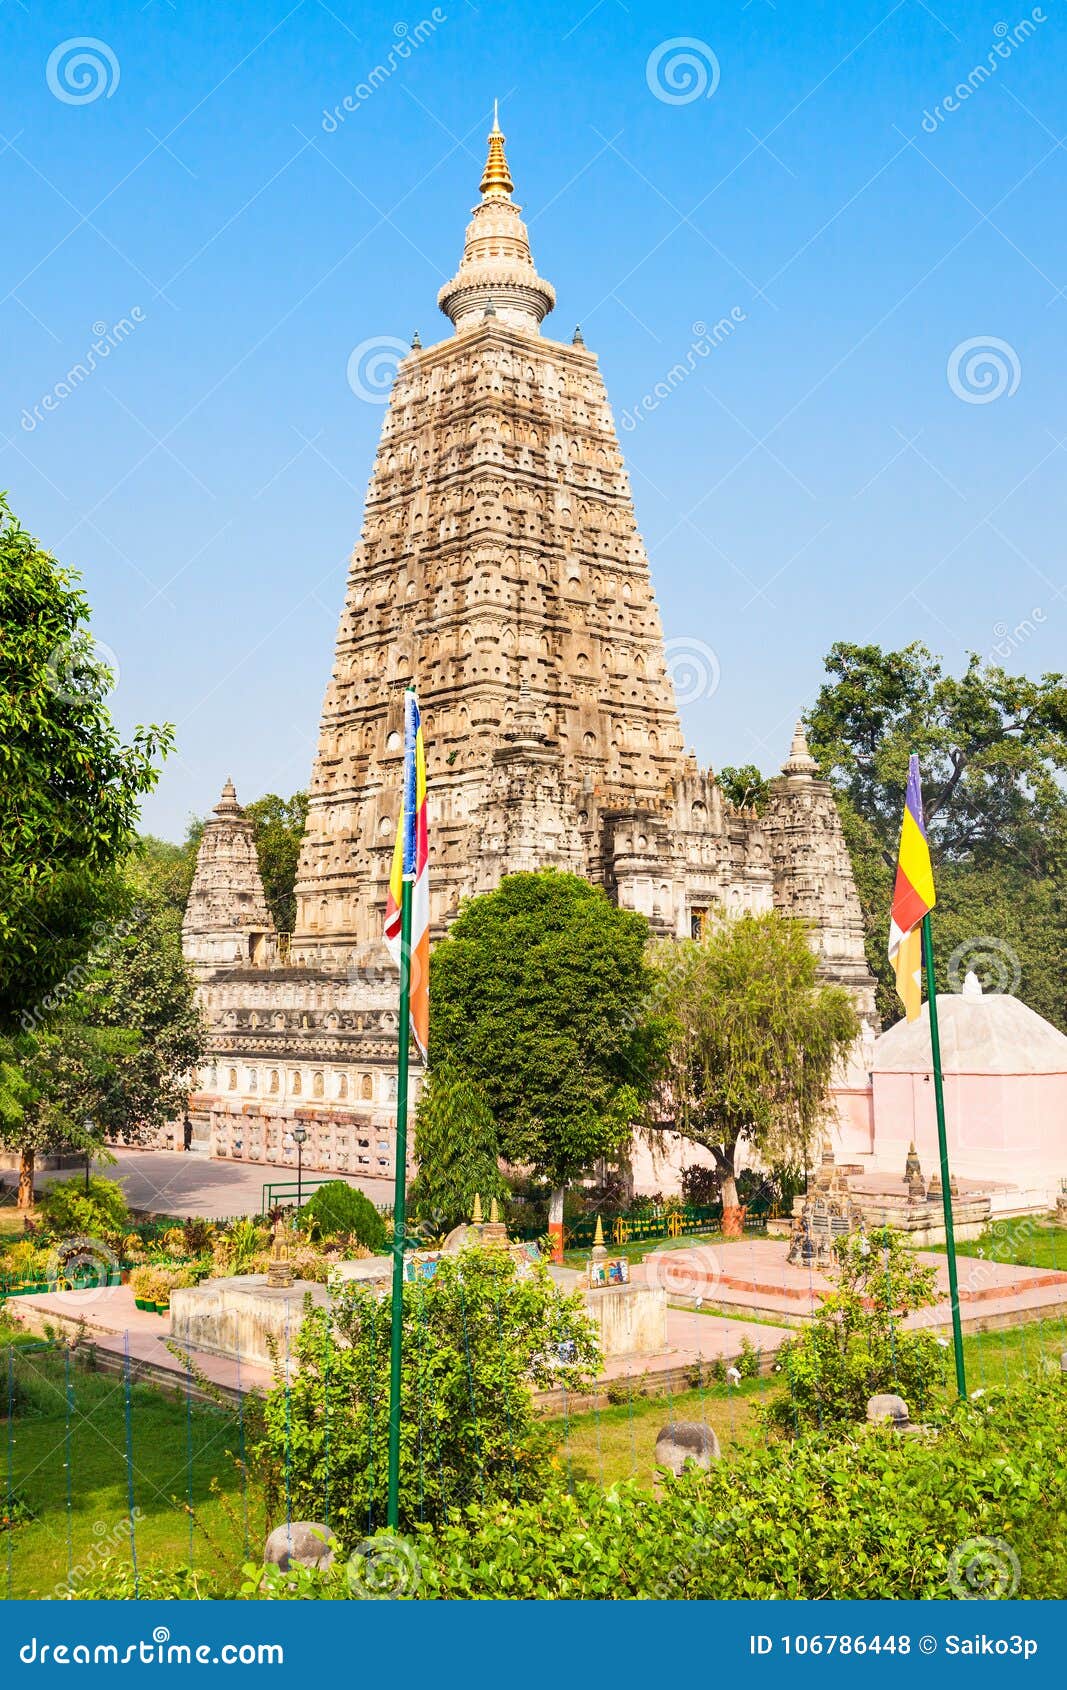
(227, 923)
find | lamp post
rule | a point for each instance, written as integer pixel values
(300, 1134)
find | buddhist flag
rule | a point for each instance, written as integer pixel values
(410, 862)
(913, 897)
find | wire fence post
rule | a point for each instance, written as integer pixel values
(128, 1397)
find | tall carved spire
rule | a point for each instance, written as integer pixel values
(496, 275)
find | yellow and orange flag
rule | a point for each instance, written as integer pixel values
(913, 897)
(411, 855)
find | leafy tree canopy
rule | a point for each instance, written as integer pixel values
(993, 753)
(542, 994)
(745, 786)
(754, 1041)
(992, 747)
(69, 787)
(278, 826)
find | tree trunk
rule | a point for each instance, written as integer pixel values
(733, 1215)
(25, 1198)
(555, 1222)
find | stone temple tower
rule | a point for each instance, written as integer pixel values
(500, 568)
(227, 924)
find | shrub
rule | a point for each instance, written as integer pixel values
(235, 1249)
(101, 1211)
(856, 1345)
(337, 1208)
(869, 1515)
(476, 1338)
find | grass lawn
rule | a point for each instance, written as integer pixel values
(639, 1248)
(175, 1455)
(602, 1446)
(619, 1442)
(1022, 1241)
(993, 1359)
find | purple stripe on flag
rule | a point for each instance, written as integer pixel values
(914, 796)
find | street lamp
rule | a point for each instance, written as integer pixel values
(300, 1134)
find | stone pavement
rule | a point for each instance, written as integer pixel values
(753, 1275)
(172, 1182)
(110, 1319)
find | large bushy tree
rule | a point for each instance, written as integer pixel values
(755, 1039)
(542, 994)
(993, 753)
(69, 787)
(477, 1338)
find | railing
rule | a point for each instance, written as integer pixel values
(634, 1226)
(285, 1192)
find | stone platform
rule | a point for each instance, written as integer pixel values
(753, 1276)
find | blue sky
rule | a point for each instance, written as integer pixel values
(836, 468)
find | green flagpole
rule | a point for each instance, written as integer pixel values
(396, 1330)
(942, 1145)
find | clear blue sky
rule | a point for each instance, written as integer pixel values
(816, 478)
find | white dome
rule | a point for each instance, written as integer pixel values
(981, 1033)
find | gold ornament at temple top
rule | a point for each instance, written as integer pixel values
(496, 177)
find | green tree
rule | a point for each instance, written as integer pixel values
(278, 826)
(856, 1344)
(69, 787)
(993, 753)
(745, 786)
(340, 1210)
(477, 1338)
(144, 985)
(455, 1148)
(541, 993)
(755, 1040)
(992, 747)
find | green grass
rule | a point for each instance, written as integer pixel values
(619, 1442)
(34, 1557)
(639, 1248)
(1024, 1241)
(604, 1446)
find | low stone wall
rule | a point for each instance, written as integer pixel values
(243, 1317)
(631, 1319)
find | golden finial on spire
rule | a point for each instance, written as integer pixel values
(476, 1212)
(496, 177)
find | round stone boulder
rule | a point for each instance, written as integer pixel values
(887, 1407)
(684, 1441)
(301, 1543)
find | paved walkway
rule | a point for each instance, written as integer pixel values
(109, 1317)
(171, 1182)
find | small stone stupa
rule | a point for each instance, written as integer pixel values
(828, 1211)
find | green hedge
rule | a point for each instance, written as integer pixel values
(978, 1502)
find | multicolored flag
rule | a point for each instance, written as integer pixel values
(913, 897)
(411, 862)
